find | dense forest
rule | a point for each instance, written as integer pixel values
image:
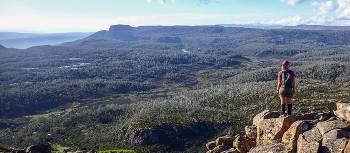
(162, 88)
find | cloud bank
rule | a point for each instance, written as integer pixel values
(23, 18)
(325, 12)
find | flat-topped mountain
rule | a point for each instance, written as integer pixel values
(116, 32)
(148, 34)
(224, 38)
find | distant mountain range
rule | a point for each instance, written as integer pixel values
(26, 40)
(126, 33)
(215, 36)
(255, 26)
(300, 27)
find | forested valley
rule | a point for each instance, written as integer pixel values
(167, 88)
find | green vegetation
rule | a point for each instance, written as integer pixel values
(150, 95)
(4, 148)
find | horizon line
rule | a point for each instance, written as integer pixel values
(135, 26)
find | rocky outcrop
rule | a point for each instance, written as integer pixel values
(225, 141)
(243, 143)
(309, 141)
(211, 145)
(251, 132)
(327, 126)
(271, 130)
(270, 148)
(291, 136)
(341, 110)
(335, 140)
(300, 133)
(266, 114)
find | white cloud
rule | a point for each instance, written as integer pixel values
(343, 10)
(294, 20)
(326, 7)
(332, 13)
(324, 13)
(293, 2)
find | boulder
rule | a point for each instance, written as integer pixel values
(290, 137)
(270, 130)
(39, 148)
(347, 148)
(225, 140)
(270, 148)
(232, 150)
(341, 110)
(243, 144)
(312, 135)
(337, 133)
(333, 118)
(211, 145)
(309, 141)
(327, 126)
(220, 148)
(303, 146)
(251, 132)
(334, 146)
(335, 141)
(266, 114)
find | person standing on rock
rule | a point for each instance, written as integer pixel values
(286, 87)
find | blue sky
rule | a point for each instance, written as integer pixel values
(94, 15)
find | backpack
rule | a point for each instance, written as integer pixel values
(287, 79)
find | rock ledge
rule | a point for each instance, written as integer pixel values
(300, 133)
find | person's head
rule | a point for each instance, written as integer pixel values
(285, 65)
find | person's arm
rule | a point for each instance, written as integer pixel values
(278, 82)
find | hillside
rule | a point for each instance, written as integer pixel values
(159, 88)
